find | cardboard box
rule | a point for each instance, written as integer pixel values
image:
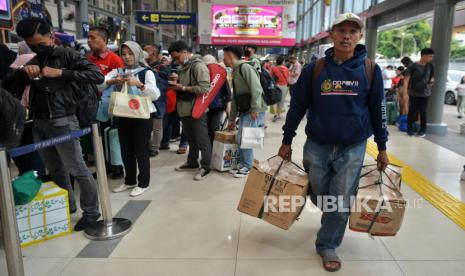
(45, 217)
(369, 199)
(290, 186)
(225, 137)
(224, 156)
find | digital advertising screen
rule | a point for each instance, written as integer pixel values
(3, 6)
(248, 22)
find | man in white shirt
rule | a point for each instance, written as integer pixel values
(294, 72)
(388, 74)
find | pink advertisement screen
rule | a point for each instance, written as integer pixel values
(238, 24)
(3, 5)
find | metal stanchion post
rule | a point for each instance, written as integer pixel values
(14, 258)
(108, 228)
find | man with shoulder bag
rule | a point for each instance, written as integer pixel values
(248, 103)
(194, 80)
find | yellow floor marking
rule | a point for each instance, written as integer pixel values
(453, 208)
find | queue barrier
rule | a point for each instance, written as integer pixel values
(106, 229)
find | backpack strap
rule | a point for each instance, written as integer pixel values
(142, 73)
(319, 66)
(370, 66)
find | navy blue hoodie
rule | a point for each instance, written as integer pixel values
(341, 108)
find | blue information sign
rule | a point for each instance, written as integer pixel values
(174, 18)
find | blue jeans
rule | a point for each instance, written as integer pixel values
(168, 121)
(246, 158)
(334, 172)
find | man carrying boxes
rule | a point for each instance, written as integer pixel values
(344, 97)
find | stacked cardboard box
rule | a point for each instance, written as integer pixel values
(45, 217)
(280, 204)
(225, 152)
(379, 203)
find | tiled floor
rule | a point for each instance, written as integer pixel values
(193, 228)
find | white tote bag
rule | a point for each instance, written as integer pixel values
(125, 105)
(252, 137)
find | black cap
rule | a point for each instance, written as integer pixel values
(253, 46)
(236, 50)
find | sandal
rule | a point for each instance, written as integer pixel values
(182, 150)
(329, 257)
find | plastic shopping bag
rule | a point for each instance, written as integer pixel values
(26, 187)
(252, 137)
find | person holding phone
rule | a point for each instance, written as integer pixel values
(134, 134)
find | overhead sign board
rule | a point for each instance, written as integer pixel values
(174, 18)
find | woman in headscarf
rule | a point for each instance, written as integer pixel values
(134, 134)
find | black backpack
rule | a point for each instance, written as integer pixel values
(12, 119)
(271, 92)
(162, 84)
(87, 103)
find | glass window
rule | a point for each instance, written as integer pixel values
(334, 11)
(318, 18)
(307, 25)
(367, 4)
(348, 5)
(358, 6)
(308, 5)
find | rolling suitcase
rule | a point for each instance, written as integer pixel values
(112, 147)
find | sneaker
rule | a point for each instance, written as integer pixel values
(234, 171)
(153, 153)
(243, 172)
(462, 177)
(275, 118)
(123, 188)
(421, 134)
(164, 147)
(203, 173)
(137, 191)
(460, 117)
(410, 133)
(186, 167)
(85, 222)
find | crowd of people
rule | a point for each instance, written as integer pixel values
(48, 78)
(344, 92)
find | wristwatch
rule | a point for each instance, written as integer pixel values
(142, 87)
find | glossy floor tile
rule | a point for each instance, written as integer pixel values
(144, 267)
(193, 228)
(314, 268)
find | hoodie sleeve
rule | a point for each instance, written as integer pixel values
(300, 103)
(202, 76)
(252, 79)
(377, 109)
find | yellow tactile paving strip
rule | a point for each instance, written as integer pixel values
(453, 208)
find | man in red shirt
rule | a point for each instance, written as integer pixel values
(281, 74)
(100, 55)
(106, 61)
